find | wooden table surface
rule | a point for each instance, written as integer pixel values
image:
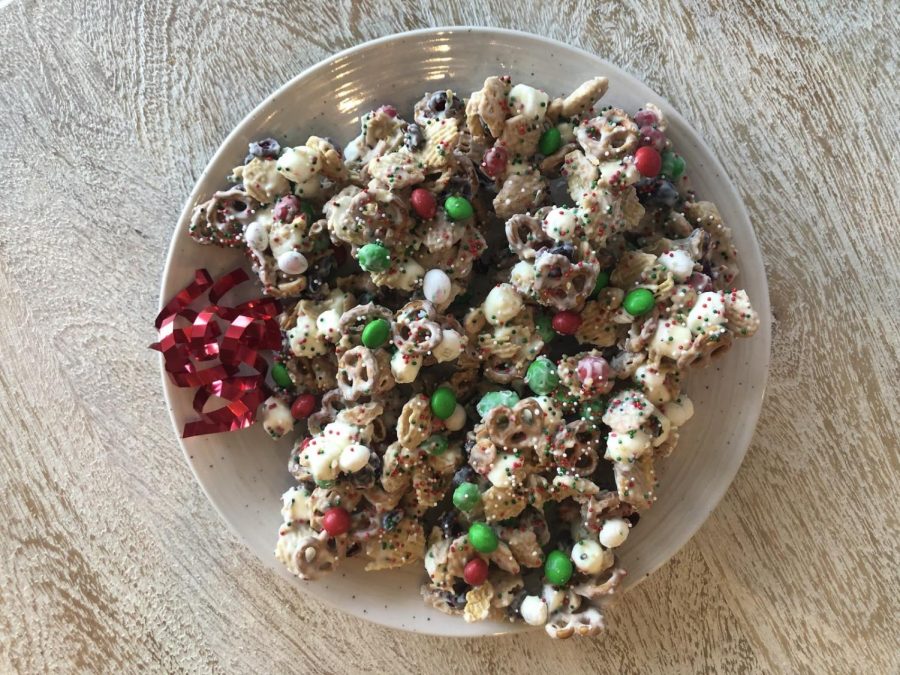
(110, 556)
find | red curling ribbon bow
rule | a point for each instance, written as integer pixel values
(188, 338)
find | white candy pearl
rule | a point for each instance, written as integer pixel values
(502, 304)
(449, 347)
(589, 557)
(457, 420)
(679, 263)
(292, 262)
(614, 532)
(256, 236)
(436, 287)
(533, 610)
(354, 457)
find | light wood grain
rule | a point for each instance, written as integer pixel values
(110, 556)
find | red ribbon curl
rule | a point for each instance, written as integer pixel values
(245, 330)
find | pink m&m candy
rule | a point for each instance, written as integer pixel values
(594, 373)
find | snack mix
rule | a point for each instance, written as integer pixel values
(488, 311)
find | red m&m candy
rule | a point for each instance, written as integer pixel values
(304, 406)
(566, 322)
(475, 572)
(423, 203)
(648, 161)
(336, 521)
(495, 161)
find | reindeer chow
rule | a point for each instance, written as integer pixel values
(489, 308)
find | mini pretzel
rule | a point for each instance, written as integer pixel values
(417, 337)
(612, 135)
(575, 447)
(365, 523)
(354, 320)
(500, 370)
(313, 556)
(596, 588)
(332, 403)
(375, 215)
(415, 310)
(222, 219)
(526, 236)
(560, 283)
(415, 422)
(564, 624)
(516, 428)
(358, 373)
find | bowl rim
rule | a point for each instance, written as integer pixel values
(761, 304)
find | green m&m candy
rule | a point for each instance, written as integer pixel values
(602, 282)
(541, 376)
(443, 402)
(672, 165)
(374, 258)
(557, 568)
(376, 333)
(466, 496)
(483, 538)
(544, 325)
(435, 444)
(638, 302)
(551, 141)
(494, 398)
(458, 208)
(281, 376)
(325, 484)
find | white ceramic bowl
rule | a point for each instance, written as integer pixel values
(245, 473)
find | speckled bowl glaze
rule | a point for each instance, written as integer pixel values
(245, 473)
